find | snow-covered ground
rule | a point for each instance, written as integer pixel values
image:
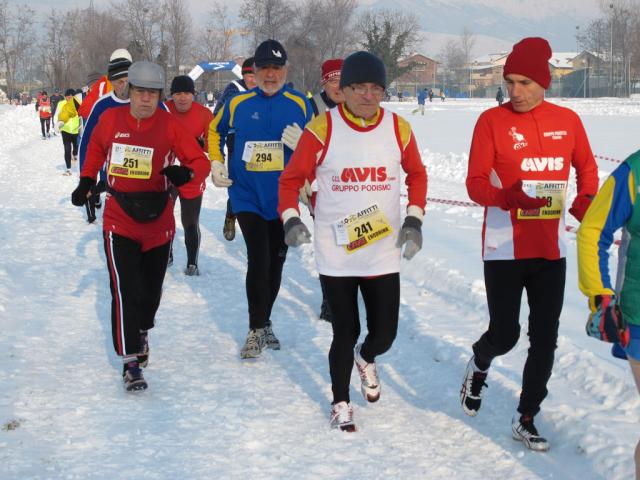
(207, 414)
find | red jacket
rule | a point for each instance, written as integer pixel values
(196, 120)
(540, 145)
(98, 89)
(169, 139)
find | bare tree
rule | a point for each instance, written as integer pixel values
(467, 42)
(389, 34)
(16, 39)
(143, 22)
(97, 34)
(215, 42)
(178, 26)
(322, 29)
(334, 28)
(267, 19)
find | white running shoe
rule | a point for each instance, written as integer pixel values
(524, 430)
(341, 417)
(370, 385)
(254, 344)
(473, 386)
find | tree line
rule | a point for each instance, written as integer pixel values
(59, 48)
(614, 38)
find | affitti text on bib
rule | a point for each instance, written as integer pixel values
(130, 161)
(362, 229)
(553, 192)
(264, 156)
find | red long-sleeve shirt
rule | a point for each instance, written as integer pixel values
(169, 139)
(536, 146)
(196, 120)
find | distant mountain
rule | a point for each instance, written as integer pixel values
(496, 22)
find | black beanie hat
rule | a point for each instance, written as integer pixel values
(182, 83)
(69, 92)
(363, 67)
(247, 66)
(118, 67)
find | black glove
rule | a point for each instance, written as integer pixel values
(101, 186)
(178, 174)
(295, 232)
(200, 141)
(79, 195)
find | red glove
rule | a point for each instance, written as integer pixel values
(514, 197)
(606, 322)
(580, 206)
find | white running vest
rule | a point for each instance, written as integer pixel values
(360, 169)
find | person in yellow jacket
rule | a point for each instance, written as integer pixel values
(67, 120)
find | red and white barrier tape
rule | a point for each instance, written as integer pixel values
(452, 202)
(568, 228)
(609, 159)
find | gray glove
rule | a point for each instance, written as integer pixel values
(296, 232)
(410, 236)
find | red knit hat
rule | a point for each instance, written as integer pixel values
(331, 69)
(530, 57)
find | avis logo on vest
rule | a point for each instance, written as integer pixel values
(364, 174)
(540, 164)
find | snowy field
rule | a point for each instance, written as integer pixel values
(207, 414)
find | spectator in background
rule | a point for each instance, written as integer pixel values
(422, 98)
(499, 96)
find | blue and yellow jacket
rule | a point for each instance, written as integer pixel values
(250, 117)
(613, 208)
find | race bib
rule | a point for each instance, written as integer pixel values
(263, 156)
(362, 229)
(553, 192)
(46, 109)
(130, 161)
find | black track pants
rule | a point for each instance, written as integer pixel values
(544, 282)
(136, 287)
(266, 252)
(381, 297)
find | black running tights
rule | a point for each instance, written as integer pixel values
(190, 216)
(544, 282)
(70, 142)
(381, 297)
(43, 122)
(266, 252)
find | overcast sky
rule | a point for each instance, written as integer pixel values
(497, 22)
